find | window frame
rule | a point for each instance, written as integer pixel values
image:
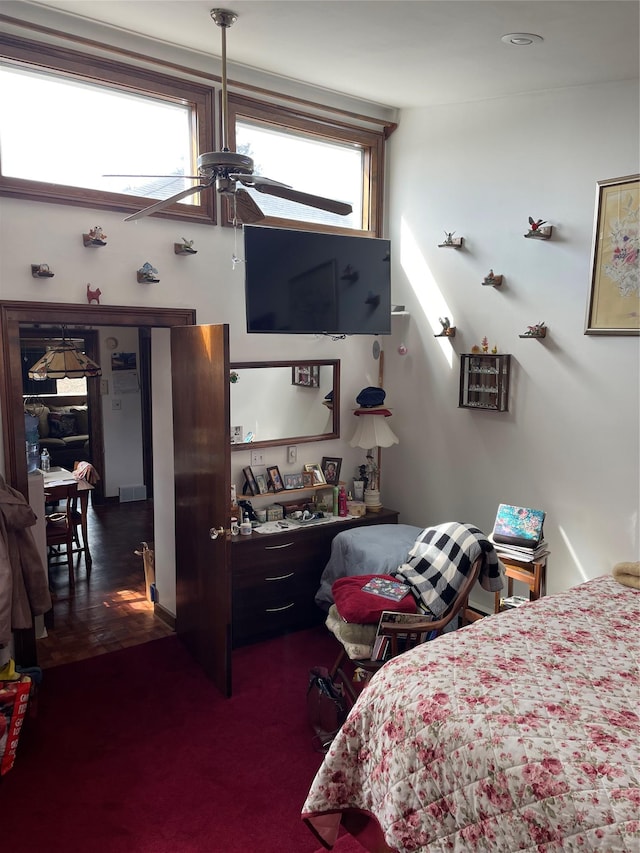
(329, 129)
(117, 75)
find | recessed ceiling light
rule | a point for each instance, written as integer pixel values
(521, 39)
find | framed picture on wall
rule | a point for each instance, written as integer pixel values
(306, 375)
(614, 296)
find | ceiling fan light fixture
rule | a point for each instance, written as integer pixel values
(521, 39)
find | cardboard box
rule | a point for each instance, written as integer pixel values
(356, 508)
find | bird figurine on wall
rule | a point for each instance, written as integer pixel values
(535, 224)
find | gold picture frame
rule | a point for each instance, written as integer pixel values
(614, 295)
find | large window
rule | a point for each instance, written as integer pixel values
(68, 119)
(65, 126)
(319, 156)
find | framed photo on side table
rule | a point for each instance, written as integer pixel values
(331, 469)
(614, 296)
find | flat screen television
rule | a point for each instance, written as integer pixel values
(305, 282)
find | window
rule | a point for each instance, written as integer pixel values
(314, 155)
(64, 127)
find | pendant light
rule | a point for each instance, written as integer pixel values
(64, 361)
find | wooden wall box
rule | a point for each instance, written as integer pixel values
(484, 382)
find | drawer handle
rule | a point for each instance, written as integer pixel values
(281, 577)
(278, 609)
(276, 547)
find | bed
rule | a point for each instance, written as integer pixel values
(519, 732)
(376, 549)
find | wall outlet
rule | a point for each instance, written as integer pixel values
(116, 405)
(257, 457)
(292, 454)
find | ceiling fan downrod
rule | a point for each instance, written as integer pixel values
(224, 18)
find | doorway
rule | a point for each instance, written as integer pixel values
(12, 316)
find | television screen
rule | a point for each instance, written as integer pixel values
(302, 282)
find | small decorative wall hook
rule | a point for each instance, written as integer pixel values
(93, 295)
(41, 271)
(148, 274)
(95, 237)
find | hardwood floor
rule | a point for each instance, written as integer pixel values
(108, 609)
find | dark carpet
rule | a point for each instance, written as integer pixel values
(136, 752)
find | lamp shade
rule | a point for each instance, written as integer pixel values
(64, 361)
(372, 430)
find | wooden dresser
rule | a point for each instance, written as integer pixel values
(275, 577)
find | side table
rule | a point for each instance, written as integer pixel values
(533, 574)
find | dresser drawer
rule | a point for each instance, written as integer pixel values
(275, 578)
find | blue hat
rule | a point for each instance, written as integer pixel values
(370, 398)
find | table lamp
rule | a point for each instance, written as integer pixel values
(373, 431)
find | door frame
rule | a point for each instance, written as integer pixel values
(12, 314)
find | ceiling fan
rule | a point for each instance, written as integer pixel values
(229, 172)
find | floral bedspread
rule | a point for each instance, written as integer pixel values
(519, 732)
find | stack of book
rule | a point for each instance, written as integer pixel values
(517, 533)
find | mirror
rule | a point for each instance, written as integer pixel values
(284, 402)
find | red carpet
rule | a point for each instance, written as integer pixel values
(136, 752)
(345, 844)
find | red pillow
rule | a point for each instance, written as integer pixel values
(365, 608)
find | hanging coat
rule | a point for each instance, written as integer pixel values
(24, 589)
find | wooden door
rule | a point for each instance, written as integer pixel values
(202, 462)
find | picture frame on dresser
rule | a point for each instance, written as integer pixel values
(275, 478)
(261, 482)
(293, 481)
(250, 481)
(614, 302)
(316, 473)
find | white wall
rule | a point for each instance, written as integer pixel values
(570, 441)
(123, 424)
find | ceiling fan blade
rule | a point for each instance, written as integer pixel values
(186, 177)
(244, 207)
(166, 202)
(256, 180)
(339, 207)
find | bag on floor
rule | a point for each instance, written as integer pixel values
(14, 698)
(326, 707)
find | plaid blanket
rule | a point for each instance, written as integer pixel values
(441, 559)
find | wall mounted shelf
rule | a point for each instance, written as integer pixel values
(454, 243)
(184, 249)
(492, 280)
(449, 333)
(542, 334)
(484, 382)
(41, 271)
(542, 233)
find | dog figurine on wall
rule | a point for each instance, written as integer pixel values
(93, 295)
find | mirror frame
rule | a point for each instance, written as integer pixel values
(297, 439)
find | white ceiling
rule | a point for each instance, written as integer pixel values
(394, 52)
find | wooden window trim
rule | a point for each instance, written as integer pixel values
(44, 57)
(288, 118)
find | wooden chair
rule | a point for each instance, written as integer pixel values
(60, 528)
(403, 635)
